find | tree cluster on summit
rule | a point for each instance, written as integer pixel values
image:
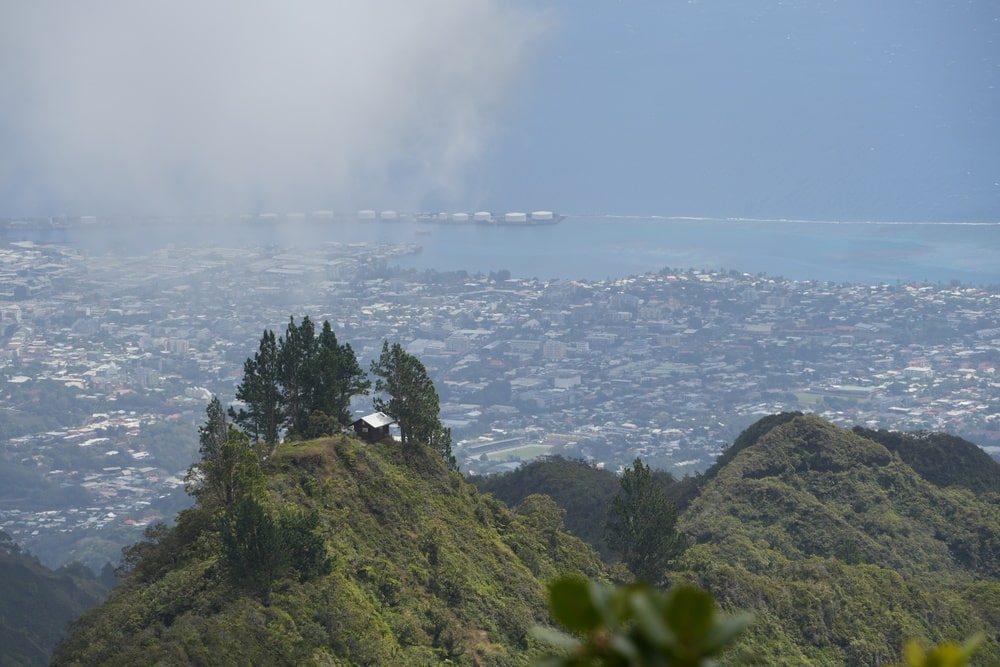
(297, 386)
(300, 385)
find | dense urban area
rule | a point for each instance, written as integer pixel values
(109, 359)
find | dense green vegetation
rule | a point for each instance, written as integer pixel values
(379, 554)
(299, 385)
(641, 525)
(941, 459)
(412, 400)
(841, 549)
(841, 545)
(37, 604)
(583, 490)
(422, 568)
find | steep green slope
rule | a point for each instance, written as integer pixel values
(425, 569)
(37, 605)
(942, 459)
(581, 489)
(841, 549)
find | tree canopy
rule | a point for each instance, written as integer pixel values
(412, 400)
(299, 385)
(641, 525)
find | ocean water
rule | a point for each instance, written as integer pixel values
(607, 246)
(599, 247)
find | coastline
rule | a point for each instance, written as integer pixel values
(597, 247)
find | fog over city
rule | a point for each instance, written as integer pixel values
(796, 109)
(139, 107)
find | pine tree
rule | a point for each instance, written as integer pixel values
(214, 432)
(641, 525)
(413, 401)
(339, 377)
(298, 373)
(260, 391)
(254, 548)
(300, 384)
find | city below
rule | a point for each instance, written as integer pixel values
(109, 359)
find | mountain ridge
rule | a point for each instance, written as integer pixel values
(425, 569)
(841, 548)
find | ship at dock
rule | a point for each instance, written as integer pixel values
(512, 219)
(518, 219)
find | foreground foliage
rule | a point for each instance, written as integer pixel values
(636, 625)
(948, 654)
(639, 626)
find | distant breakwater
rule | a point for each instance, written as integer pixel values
(596, 247)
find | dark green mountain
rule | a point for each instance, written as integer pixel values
(425, 570)
(841, 549)
(942, 459)
(585, 492)
(840, 545)
(37, 605)
(581, 489)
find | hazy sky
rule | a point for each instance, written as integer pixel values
(794, 108)
(135, 105)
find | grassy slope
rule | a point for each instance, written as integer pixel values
(426, 569)
(841, 549)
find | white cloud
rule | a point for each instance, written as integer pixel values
(150, 106)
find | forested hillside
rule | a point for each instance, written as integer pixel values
(842, 543)
(581, 489)
(379, 554)
(421, 568)
(841, 549)
(37, 604)
(940, 458)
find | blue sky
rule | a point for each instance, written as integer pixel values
(861, 109)
(796, 108)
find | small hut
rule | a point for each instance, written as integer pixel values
(373, 427)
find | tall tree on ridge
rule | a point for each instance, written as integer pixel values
(339, 377)
(214, 432)
(641, 525)
(300, 384)
(222, 482)
(260, 391)
(413, 401)
(298, 372)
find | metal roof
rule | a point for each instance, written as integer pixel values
(377, 419)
